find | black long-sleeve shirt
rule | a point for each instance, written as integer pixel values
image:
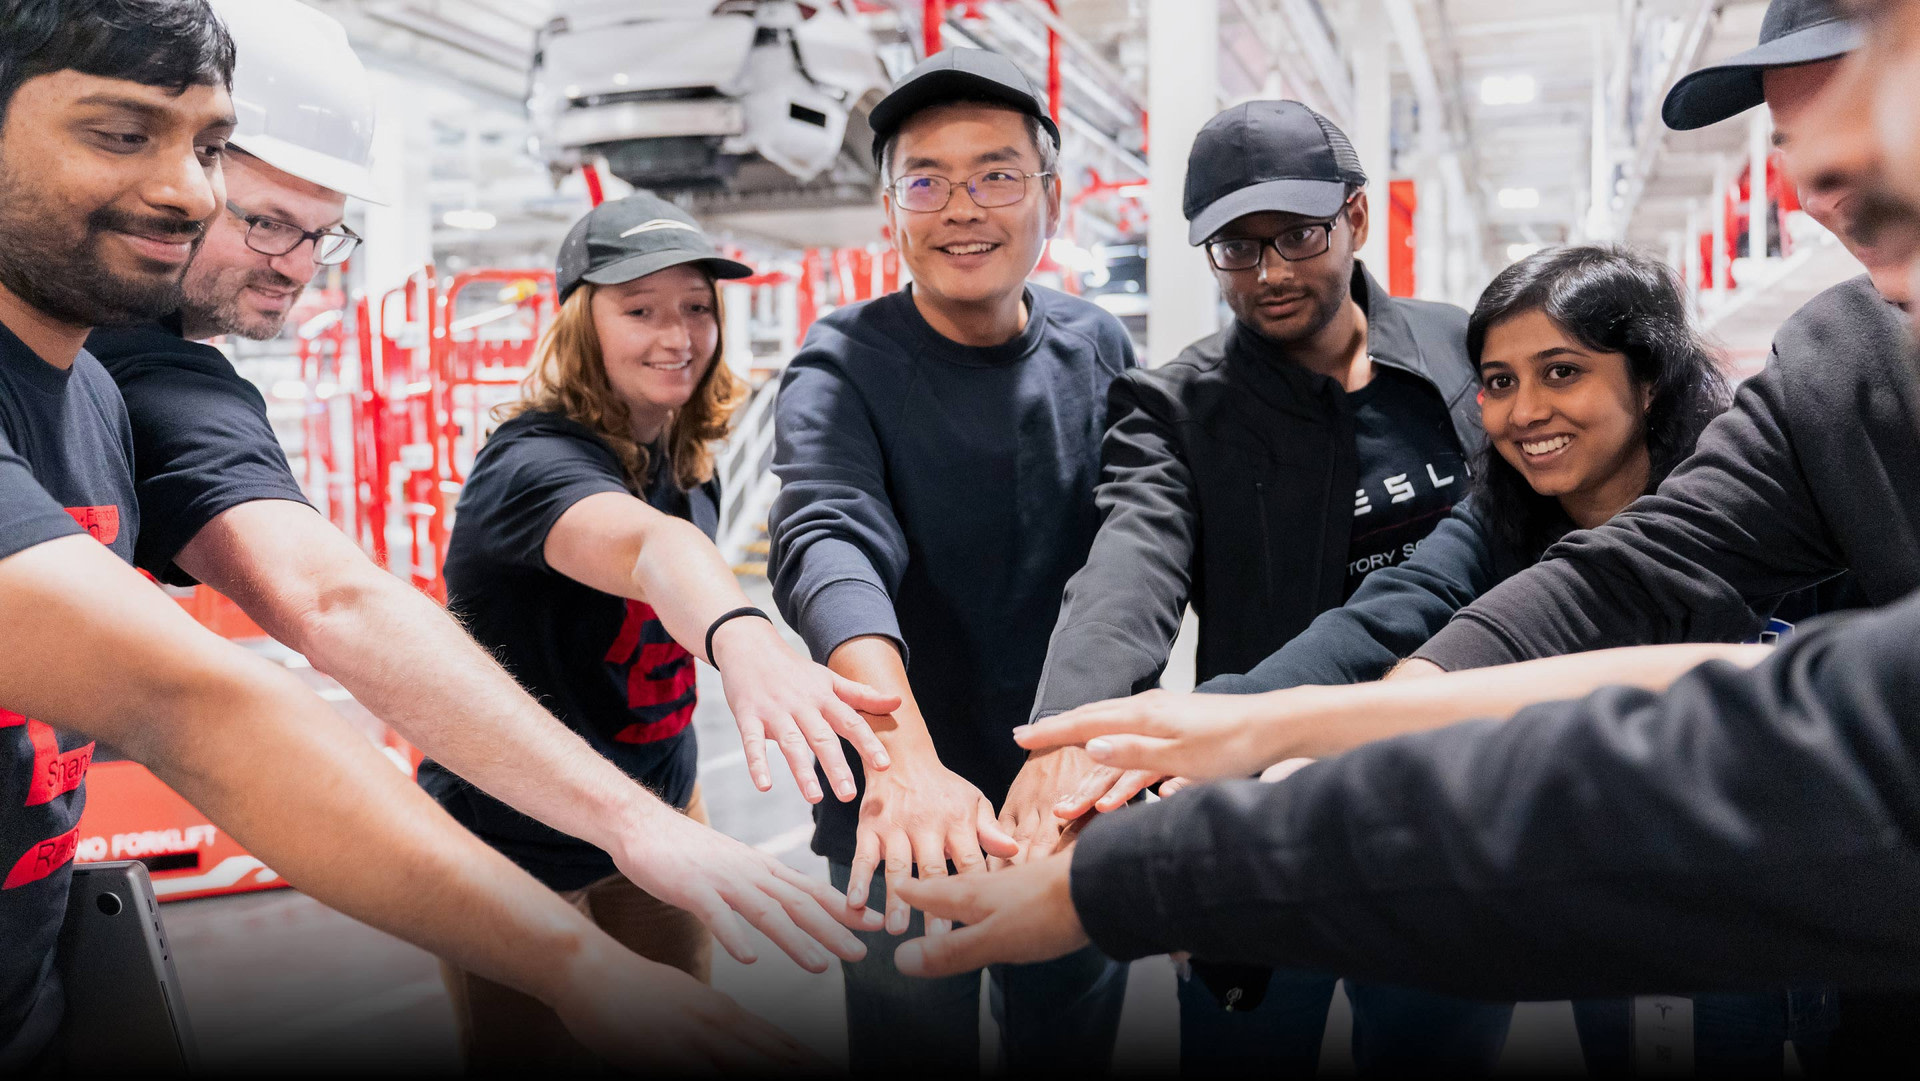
(1814, 471)
(1745, 830)
(941, 495)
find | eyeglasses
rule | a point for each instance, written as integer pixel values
(269, 236)
(1296, 244)
(924, 194)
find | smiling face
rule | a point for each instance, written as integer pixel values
(964, 255)
(232, 289)
(1290, 302)
(1830, 196)
(105, 186)
(659, 336)
(1570, 419)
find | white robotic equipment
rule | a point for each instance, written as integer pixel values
(680, 95)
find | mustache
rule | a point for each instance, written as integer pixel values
(1880, 215)
(113, 219)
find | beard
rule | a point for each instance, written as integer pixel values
(213, 303)
(60, 270)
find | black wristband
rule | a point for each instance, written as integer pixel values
(725, 618)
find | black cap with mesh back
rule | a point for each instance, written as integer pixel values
(627, 239)
(1266, 156)
(1792, 32)
(952, 75)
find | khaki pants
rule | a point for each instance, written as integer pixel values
(502, 1029)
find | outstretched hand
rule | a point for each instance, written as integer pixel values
(1160, 733)
(921, 814)
(803, 708)
(721, 880)
(1020, 914)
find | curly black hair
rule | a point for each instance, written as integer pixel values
(1613, 301)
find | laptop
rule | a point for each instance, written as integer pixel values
(124, 1007)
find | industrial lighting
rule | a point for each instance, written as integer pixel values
(469, 218)
(1508, 90)
(1519, 198)
(1517, 252)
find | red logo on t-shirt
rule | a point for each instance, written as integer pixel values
(101, 523)
(661, 673)
(43, 859)
(54, 774)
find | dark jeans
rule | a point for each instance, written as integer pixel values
(1060, 1017)
(1734, 1035)
(1396, 1031)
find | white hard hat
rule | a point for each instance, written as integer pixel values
(301, 95)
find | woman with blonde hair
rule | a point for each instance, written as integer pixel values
(582, 554)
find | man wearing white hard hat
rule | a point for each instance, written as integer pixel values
(221, 506)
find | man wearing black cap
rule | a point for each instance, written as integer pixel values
(939, 449)
(1261, 477)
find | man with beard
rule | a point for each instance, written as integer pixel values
(114, 117)
(219, 504)
(1262, 476)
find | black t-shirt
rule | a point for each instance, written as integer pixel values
(603, 664)
(1411, 470)
(65, 468)
(202, 441)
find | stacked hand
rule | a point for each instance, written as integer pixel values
(804, 708)
(919, 813)
(1034, 809)
(1150, 737)
(1019, 914)
(720, 880)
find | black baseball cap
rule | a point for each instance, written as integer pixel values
(627, 239)
(957, 75)
(1267, 156)
(1792, 32)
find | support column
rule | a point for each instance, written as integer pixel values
(400, 234)
(1759, 145)
(1372, 131)
(1722, 262)
(1183, 79)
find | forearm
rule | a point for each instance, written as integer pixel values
(875, 662)
(410, 664)
(1314, 722)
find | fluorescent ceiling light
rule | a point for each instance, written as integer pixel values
(1519, 198)
(1508, 90)
(477, 220)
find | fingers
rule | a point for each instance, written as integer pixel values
(1092, 787)
(1173, 784)
(866, 860)
(963, 848)
(898, 869)
(771, 917)
(826, 745)
(793, 744)
(862, 697)
(1130, 784)
(753, 741)
(965, 950)
(830, 900)
(854, 728)
(930, 858)
(1077, 726)
(1280, 771)
(1131, 752)
(955, 899)
(725, 923)
(993, 840)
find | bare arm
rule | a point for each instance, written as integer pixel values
(918, 812)
(1205, 737)
(408, 662)
(94, 649)
(619, 545)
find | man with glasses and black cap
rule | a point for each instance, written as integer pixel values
(1261, 477)
(938, 449)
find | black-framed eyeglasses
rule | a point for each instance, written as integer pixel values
(270, 236)
(1301, 242)
(925, 194)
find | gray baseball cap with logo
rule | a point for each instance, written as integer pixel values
(627, 239)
